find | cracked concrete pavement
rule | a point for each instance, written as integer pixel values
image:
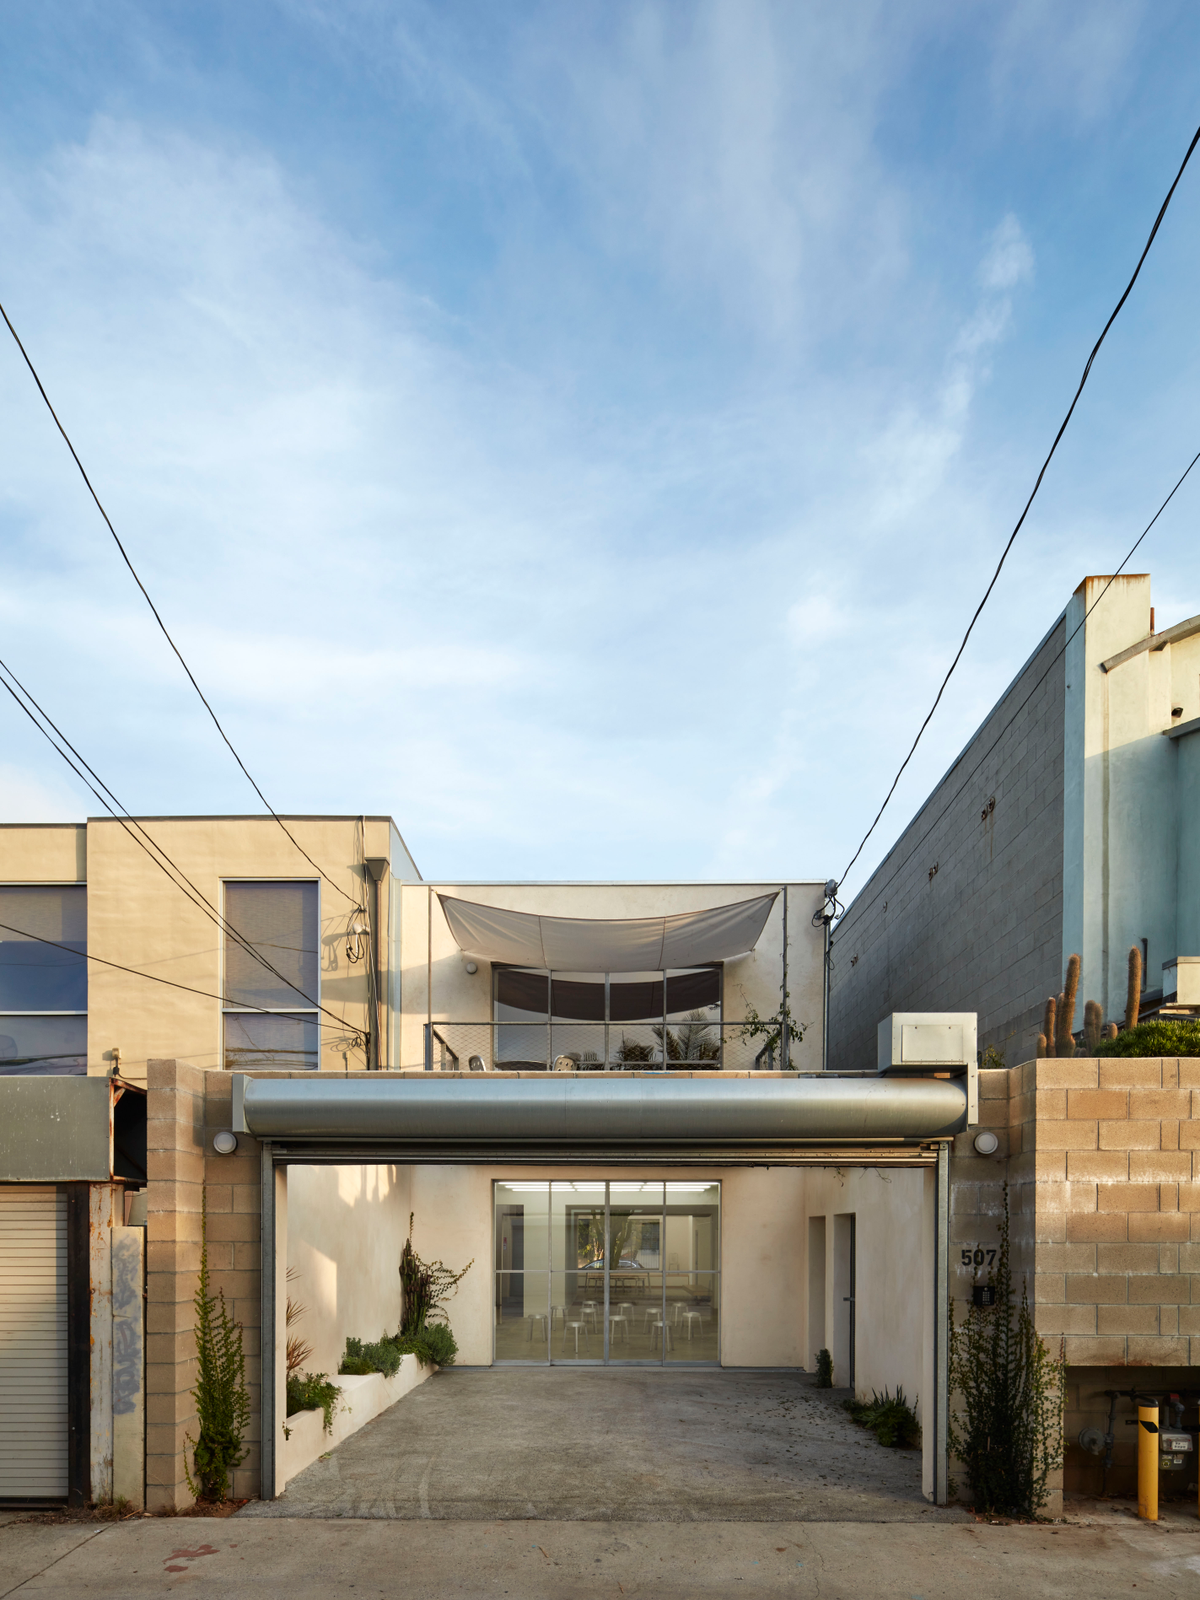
(632, 1445)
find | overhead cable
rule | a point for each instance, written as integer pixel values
(157, 617)
(1055, 659)
(152, 848)
(1025, 512)
(136, 972)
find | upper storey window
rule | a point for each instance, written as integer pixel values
(278, 976)
(607, 1019)
(43, 978)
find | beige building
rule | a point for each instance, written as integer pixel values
(587, 1090)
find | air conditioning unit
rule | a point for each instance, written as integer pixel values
(920, 1044)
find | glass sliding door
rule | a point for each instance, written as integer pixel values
(614, 1272)
(693, 1250)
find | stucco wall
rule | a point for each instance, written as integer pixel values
(889, 1211)
(434, 978)
(1120, 831)
(965, 912)
(346, 1229)
(1187, 932)
(764, 1257)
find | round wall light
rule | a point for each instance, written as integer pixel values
(986, 1144)
(225, 1142)
(472, 968)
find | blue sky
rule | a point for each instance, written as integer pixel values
(582, 431)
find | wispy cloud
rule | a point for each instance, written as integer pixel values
(622, 529)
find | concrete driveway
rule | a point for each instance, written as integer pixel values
(638, 1445)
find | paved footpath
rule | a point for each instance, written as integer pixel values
(314, 1559)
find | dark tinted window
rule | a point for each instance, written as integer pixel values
(522, 991)
(280, 921)
(288, 1044)
(36, 976)
(43, 1046)
(635, 998)
(577, 999)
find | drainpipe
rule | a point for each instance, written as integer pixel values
(825, 1004)
(826, 916)
(785, 1042)
(377, 868)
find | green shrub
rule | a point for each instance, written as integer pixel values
(1154, 1039)
(381, 1357)
(889, 1417)
(312, 1391)
(433, 1345)
(824, 1370)
(221, 1395)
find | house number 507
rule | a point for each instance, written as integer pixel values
(978, 1257)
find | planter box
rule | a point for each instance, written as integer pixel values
(362, 1399)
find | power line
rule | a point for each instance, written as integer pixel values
(149, 976)
(162, 625)
(1037, 685)
(152, 848)
(1033, 492)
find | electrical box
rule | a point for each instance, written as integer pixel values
(928, 1043)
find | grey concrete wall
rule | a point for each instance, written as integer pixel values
(965, 912)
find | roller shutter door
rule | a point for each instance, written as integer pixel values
(33, 1343)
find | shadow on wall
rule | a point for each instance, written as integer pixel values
(346, 1230)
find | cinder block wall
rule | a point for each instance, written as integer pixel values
(1117, 1208)
(1102, 1158)
(965, 912)
(185, 1107)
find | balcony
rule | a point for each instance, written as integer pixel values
(687, 1045)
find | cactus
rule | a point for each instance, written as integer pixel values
(1051, 1013)
(1041, 1045)
(1133, 995)
(1110, 1030)
(1093, 1021)
(1066, 1009)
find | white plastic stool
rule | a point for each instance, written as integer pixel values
(591, 1309)
(542, 1323)
(612, 1328)
(688, 1318)
(576, 1327)
(663, 1328)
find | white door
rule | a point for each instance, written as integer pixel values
(33, 1343)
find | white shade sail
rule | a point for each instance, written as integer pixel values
(608, 944)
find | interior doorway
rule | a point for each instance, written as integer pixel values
(845, 1298)
(607, 1272)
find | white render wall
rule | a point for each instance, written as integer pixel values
(346, 1227)
(1130, 819)
(434, 980)
(765, 1255)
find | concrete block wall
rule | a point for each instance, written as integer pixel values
(1102, 1159)
(1116, 1177)
(965, 912)
(185, 1106)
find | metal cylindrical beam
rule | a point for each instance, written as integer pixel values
(604, 1109)
(1148, 1448)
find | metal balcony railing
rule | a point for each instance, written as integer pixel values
(602, 1047)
